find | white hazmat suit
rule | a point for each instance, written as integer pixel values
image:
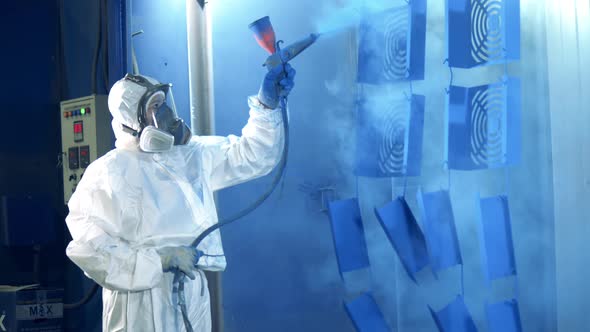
(130, 203)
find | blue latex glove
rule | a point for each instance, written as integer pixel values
(277, 83)
(183, 259)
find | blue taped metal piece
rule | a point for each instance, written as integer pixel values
(483, 126)
(439, 229)
(454, 317)
(349, 235)
(405, 235)
(365, 314)
(504, 317)
(496, 238)
(482, 32)
(417, 54)
(389, 136)
(383, 46)
(392, 45)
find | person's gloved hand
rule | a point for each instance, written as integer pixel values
(277, 83)
(183, 259)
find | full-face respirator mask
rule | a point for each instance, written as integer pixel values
(160, 128)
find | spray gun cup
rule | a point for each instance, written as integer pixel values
(264, 33)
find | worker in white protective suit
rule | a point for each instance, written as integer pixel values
(138, 208)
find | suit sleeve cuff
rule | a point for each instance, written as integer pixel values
(259, 112)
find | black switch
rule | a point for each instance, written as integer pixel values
(84, 156)
(73, 158)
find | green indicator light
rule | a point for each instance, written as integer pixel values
(82, 111)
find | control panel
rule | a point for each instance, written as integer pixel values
(86, 135)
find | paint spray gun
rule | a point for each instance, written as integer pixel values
(265, 36)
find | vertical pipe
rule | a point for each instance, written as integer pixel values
(202, 112)
(200, 68)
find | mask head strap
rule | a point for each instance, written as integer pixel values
(130, 130)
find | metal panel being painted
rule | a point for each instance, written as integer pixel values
(349, 235)
(392, 45)
(365, 314)
(405, 235)
(503, 317)
(483, 126)
(482, 32)
(455, 317)
(389, 136)
(439, 229)
(496, 238)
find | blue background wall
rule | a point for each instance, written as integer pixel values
(282, 272)
(162, 49)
